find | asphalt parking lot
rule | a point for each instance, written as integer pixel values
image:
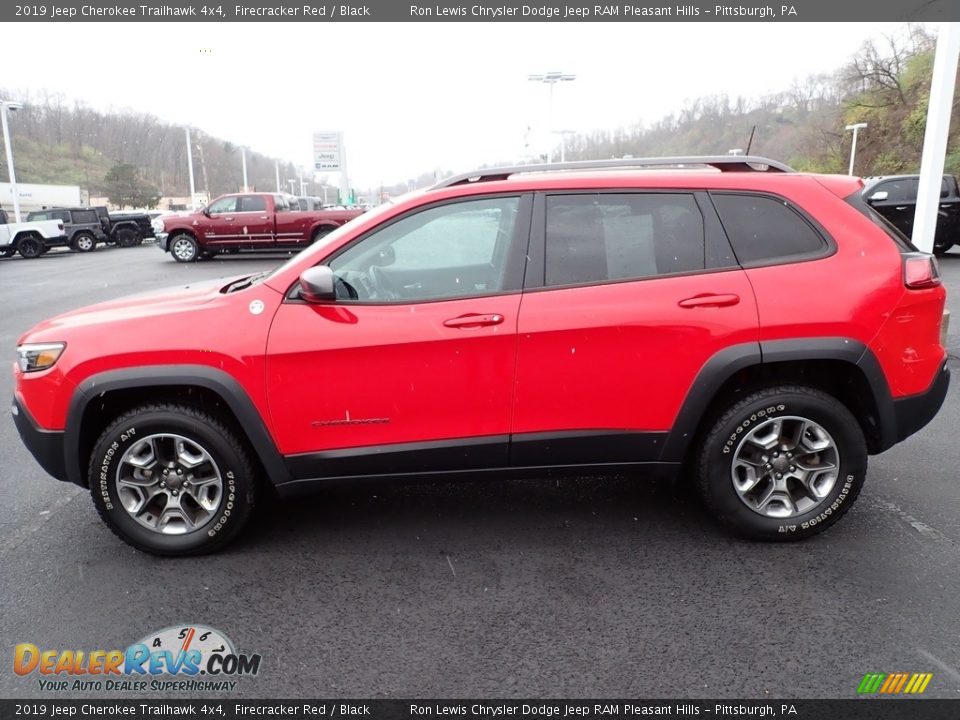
(617, 587)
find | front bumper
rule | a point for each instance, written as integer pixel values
(162, 240)
(45, 445)
(914, 412)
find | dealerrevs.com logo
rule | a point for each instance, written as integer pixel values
(177, 658)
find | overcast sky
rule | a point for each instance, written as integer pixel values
(413, 97)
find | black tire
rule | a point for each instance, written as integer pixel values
(8, 252)
(184, 248)
(83, 242)
(942, 248)
(30, 247)
(718, 449)
(321, 232)
(230, 456)
(128, 237)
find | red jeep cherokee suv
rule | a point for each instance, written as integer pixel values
(759, 329)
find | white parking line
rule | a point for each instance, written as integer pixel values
(921, 527)
(952, 672)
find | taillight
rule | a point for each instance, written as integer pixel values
(920, 271)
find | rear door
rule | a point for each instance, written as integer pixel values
(631, 293)
(293, 225)
(255, 221)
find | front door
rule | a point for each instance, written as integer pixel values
(411, 368)
(220, 227)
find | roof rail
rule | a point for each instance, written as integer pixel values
(724, 163)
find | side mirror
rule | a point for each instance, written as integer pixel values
(318, 284)
(205, 210)
(879, 196)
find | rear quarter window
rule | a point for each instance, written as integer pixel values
(764, 229)
(83, 217)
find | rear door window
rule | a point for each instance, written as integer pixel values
(606, 237)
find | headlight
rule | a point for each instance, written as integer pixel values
(157, 224)
(39, 356)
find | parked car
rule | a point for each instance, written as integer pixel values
(81, 226)
(522, 320)
(125, 229)
(246, 221)
(895, 197)
(31, 238)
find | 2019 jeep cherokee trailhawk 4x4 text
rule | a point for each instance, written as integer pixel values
(759, 329)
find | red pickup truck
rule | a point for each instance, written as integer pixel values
(246, 221)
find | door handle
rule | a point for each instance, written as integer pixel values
(228, 218)
(264, 217)
(710, 300)
(472, 320)
(901, 207)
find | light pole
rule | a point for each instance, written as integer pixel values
(5, 106)
(292, 184)
(276, 166)
(853, 147)
(551, 78)
(193, 191)
(563, 142)
(243, 157)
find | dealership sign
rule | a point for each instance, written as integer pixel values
(327, 151)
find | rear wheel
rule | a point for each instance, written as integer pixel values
(321, 232)
(83, 242)
(184, 248)
(784, 463)
(941, 247)
(30, 247)
(172, 480)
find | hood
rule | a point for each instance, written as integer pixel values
(168, 301)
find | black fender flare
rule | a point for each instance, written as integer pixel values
(726, 363)
(154, 376)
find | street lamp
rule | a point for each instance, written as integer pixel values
(243, 157)
(5, 106)
(193, 191)
(853, 147)
(563, 142)
(551, 78)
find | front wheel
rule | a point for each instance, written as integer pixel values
(184, 248)
(784, 463)
(171, 480)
